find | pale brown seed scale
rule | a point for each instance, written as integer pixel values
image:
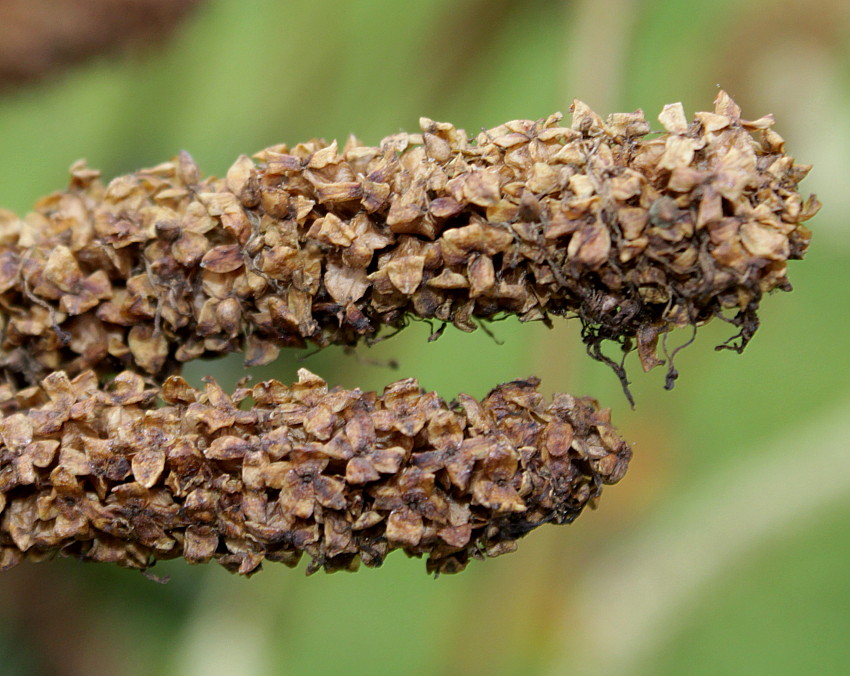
(633, 233)
(109, 474)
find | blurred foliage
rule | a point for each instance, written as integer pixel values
(725, 548)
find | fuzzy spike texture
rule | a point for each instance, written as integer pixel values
(343, 475)
(633, 233)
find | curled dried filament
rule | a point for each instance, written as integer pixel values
(107, 474)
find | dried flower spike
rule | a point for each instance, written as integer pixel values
(633, 234)
(104, 474)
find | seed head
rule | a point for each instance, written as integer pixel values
(634, 233)
(131, 474)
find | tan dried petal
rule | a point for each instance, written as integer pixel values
(482, 276)
(445, 431)
(406, 273)
(190, 248)
(361, 470)
(199, 544)
(223, 258)
(240, 178)
(497, 497)
(319, 422)
(388, 460)
(445, 207)
(333, 230)
(62, 269)
(764, 242)
(672, 117)
(367, 520)
(590, 246)
(405, 528)
(448, 279)
(42, 452)
(129, 388)
(678, 153)
(148, 465)
(72, 462)
(482, 188)
(346, 284)
(149, 348)
(16, 431)
(559, 438)
(227, 448)
(260, 352)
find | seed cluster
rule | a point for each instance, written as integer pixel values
(104, 474)
(633, 233)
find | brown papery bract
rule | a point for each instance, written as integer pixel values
(130, 474)
(634, 233)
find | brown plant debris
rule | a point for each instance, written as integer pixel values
(39, 38)
(106, 474)
(633, 233)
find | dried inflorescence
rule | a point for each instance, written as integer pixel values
(104, 474)
(634, 233)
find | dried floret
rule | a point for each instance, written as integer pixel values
(131, 474)
(634, 234)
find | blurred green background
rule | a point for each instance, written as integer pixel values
(725, 550)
